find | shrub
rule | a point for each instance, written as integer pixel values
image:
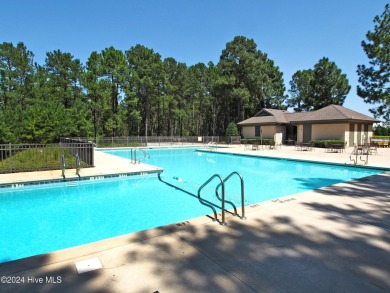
(324, 142)
(381, 137)
(264, 141)
(231, 130)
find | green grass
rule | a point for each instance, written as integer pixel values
(37, 159)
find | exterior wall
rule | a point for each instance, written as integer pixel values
(370, 133)
(280, 134)
(300, 133)
(318, 131)
(325, 131)
(342, 131)
(330, 131)
(267, 131)
(359, 137)
(248, 131)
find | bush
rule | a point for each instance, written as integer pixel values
(323, 143)
(231, 130)
(382, 131)
(264, 141)
(381, 137)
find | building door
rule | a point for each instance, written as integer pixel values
(306, 132)
(291, 132)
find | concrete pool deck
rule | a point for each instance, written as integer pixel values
(332, 239)
(105, 164)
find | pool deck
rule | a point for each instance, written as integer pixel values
(332, 239)
(105, 164)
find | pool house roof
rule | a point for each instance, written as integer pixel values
(329, 114)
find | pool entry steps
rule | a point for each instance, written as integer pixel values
(221, 185)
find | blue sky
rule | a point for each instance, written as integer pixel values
(295, 34)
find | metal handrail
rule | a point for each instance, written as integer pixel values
(63, 165)
(212, 145)
(242, 194)
(78, 164)
(223, 197)
(365, 151)
(134, 150)
(210, 204)
(146, 154)
(183, 190)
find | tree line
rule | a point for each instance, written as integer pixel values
(136, 92)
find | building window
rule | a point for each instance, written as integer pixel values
(257, 131)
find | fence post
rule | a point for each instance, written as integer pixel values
(10, 157)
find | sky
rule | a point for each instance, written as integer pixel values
(294, 34)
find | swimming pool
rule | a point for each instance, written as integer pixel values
(265, 178)
(45, 218)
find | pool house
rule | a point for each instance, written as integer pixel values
(331, 122)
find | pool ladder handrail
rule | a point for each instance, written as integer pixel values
(242, 194)
(222, 184)
(355, 153)
(134, 151)
(212, 146)
(78, 164)
(63, 165)
(223, 197)
(203, 201)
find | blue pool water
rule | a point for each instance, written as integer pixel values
(265, 178)
(44, 218)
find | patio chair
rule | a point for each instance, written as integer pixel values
(278, 145)
(328, 147)
(339, 147)
(373, 149)
(297, 146)
(311, 145)
(272, 145)
(362, 149)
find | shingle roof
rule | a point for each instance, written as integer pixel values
(326, 114)
(266, 116)
(332, 113)
(279, 115)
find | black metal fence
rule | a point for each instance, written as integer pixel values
(139, 141)
(40, 157)
(84, 149)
